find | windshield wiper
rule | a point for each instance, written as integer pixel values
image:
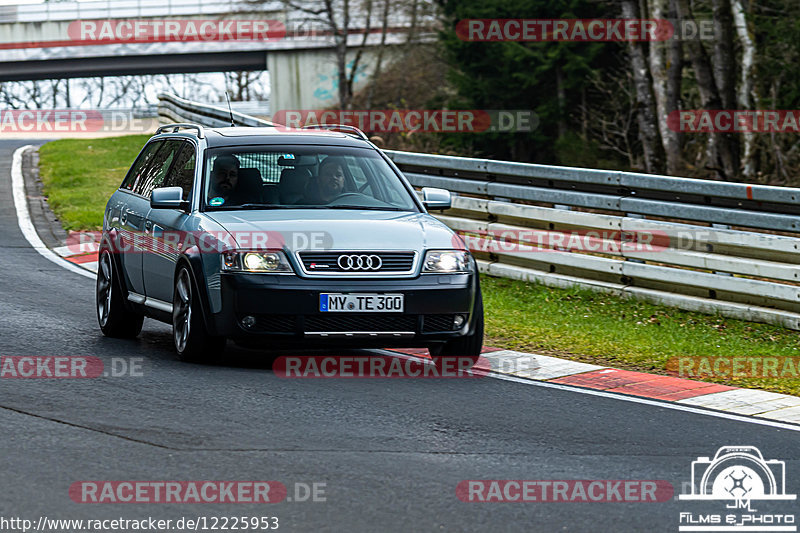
(251, 206)
(368, 207)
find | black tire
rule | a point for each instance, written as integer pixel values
(467, 347)
(114, 319)
(192, 341)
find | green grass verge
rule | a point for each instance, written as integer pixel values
(80, 176)
(608, 330)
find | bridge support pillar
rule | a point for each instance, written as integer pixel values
(308, 79)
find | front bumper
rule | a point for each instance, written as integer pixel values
(286, 309)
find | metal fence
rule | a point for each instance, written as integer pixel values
(174, 109)
(714, 247)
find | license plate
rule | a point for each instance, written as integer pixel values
(361, 303)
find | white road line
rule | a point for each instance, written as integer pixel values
(625, 398)
(24, 218)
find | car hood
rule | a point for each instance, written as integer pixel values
(324, 229)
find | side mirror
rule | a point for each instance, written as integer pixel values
(436, 198)
(168, 198)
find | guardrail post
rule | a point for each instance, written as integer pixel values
(710, 248)
(641, 217)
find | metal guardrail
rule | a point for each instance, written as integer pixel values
(717, 247)
(174, 109)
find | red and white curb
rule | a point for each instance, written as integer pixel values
(680, 393)
(745, 405)
(86, 258)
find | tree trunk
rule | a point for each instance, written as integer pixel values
(665, 90)
(646, 110)
(674, 85)
(381, 49)
(562, 102)
(724, 66)
(721, 156)
(747, 92)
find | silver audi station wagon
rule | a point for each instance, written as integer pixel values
(272, 238)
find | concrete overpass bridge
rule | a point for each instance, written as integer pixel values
(98, 38)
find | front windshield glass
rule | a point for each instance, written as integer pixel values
(302, 177)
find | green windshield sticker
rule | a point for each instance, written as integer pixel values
(217, 200)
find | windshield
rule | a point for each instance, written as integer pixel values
(302, 177)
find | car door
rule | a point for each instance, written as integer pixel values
(139, 207)
(167, 227)
(126, 215)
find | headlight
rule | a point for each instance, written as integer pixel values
(255, 262)
(446, 261)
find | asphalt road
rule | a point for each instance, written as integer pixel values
(390, 452)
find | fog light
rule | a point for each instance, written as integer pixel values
(249, 321)
(459, 320)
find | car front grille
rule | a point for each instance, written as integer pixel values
(357, 262)
(360, 322)
(348, 322)
(437, 323)
(275, 323)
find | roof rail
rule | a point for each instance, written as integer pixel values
(181, 125)
(343, 128)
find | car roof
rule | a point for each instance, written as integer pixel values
(244, 136)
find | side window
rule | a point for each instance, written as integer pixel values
(140, 164)
(182, 172)
(155, 172)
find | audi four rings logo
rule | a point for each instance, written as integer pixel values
(359, 262)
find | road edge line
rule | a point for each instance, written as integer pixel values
(24, 217)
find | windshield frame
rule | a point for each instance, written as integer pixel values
(379, 155)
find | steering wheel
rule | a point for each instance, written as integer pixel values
(345, 195)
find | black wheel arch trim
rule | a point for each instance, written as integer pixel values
(192, 260)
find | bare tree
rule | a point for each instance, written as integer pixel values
(722, 158)
(665, 68)
(387, 6)
(747, 93)
(337, 18)
(614, 124)
(645, 102)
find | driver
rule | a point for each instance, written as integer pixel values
(330, 182)
(225, 180)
